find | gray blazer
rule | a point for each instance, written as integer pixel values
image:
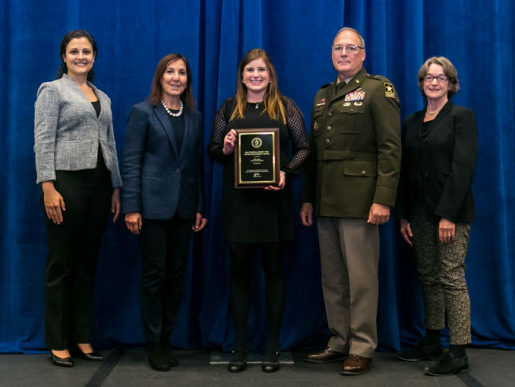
(67, 131)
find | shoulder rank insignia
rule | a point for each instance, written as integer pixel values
(358, 95)
(389, 91)
(375, 77)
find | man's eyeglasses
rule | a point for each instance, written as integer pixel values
(440, 78)
(349, 48)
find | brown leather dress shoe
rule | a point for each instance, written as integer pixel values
(356, 365)
(327, 355)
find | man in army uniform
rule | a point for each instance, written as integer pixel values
(351, 183)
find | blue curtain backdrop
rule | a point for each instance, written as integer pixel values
(477, 36)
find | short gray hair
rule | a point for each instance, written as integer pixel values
(361, 40)
(449, 70)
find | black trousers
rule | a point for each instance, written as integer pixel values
(72, 255)
(164, 248)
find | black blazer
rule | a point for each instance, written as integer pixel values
(438, 164)
(159, 182)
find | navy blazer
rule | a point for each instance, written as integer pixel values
(159, 182)
(439, 162)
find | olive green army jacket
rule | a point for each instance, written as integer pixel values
(355, 147)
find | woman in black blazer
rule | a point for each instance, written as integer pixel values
(163, 197)
(435, 208)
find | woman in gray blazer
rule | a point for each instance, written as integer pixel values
(163, 196)
(77, 168)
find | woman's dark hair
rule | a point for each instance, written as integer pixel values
(75, 34)
(157, 89)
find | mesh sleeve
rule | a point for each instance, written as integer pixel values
(215, 147)
(299, 138)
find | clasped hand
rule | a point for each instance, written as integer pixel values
(229, 142)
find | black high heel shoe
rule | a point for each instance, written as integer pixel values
(61, 361)
(270, 362)
(238, 361)
(93, 356)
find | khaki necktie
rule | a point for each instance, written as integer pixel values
(340, 86)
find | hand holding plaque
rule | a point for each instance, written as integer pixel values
(256, 158)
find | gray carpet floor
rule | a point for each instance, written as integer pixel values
(488, 367)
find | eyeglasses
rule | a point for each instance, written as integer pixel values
(349, 48)
(440, 78)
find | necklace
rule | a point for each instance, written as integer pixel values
(257, 104)
(432, 113)
(172, 113)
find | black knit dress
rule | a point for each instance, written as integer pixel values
(257, 215)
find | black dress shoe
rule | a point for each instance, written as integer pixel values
(168, 352)
(421, 352)
(157, 358)
(448, 365)
(92, 356)
(172, 360)
(270, 362)
(327, 355)
(62, 362)
(238, 361)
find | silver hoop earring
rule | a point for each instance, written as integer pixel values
(243, 81)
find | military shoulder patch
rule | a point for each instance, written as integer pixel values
(389, 91)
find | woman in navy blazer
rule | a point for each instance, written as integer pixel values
(77, 168)
(435, 208)
(163, 197)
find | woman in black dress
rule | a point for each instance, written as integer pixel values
(258, 217)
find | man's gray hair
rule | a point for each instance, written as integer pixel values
(361, 40)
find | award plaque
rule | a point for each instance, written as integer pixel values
(256, 158)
